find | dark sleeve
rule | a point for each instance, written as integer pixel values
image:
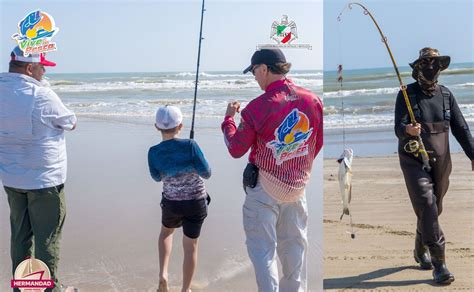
(155, 174)
(460, 129)
(401, 117)
(200, 163)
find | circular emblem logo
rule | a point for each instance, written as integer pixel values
(32, 275)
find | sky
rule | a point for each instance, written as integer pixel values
(162, 36)
(408, 25)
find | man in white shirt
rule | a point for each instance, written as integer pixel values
(33, 160)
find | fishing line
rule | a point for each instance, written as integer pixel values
(191, 134)
(340, 80)
(348, 168)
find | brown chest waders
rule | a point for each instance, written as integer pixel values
(427, 189)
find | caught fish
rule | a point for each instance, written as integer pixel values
(345, 179)
(345, 183)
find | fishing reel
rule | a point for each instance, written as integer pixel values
(412, 147)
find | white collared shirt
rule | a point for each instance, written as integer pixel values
(32, 124)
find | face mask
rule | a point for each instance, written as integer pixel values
(426, 72)
(430, 69)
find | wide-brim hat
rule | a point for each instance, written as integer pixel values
(432, 53)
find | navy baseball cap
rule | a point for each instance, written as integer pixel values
(267, 57)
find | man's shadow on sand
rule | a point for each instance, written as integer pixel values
(358, 282)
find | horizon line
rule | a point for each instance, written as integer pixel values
(387, 67)
(233, 71)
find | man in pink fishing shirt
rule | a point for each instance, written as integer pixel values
(283, 128)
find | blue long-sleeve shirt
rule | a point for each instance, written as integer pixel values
(181, 165)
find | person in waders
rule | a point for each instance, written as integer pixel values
(435, 110)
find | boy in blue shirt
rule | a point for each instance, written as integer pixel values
(180, 164)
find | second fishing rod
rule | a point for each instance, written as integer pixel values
(191, 134)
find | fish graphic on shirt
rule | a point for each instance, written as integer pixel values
(291, 137)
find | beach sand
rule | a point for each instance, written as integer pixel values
(113, 215)
(380, 258)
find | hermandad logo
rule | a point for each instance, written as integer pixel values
(284, 33)
(35, 32)
(290, 137)
(32, 275)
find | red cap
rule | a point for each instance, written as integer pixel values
(45, 62)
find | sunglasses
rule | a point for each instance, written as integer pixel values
(255, 68)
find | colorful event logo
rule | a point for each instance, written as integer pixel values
(284, 32)
(32, 275)
(291, 136)
(35, 32)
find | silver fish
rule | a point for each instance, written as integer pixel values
(345, 184)
(345, 179)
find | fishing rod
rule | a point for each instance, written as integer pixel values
(416, 147)
(191, 134)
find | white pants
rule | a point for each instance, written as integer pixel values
(273, 227)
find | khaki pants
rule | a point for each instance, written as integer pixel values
(36, 219)
(271, 228)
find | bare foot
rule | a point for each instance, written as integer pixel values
(163, 286)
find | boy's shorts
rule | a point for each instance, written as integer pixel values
(189, 213)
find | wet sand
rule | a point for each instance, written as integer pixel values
(113, 216)
(380, 258)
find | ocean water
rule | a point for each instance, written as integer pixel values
(369, 98)
(134, 97)
(369, 95)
